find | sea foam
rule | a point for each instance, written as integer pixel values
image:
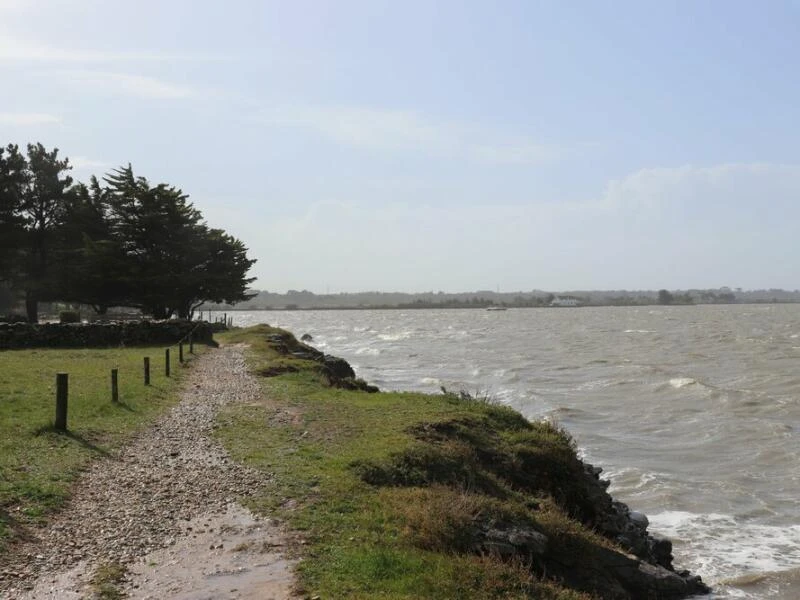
(721, 547)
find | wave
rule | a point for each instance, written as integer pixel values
(368, 351)
(720, 547)
(395, 337)
(681, 382)
(776, 584)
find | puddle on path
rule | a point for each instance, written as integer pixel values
(233, 555)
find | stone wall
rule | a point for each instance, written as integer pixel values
(102, 335)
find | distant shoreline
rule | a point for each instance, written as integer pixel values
(481, 307)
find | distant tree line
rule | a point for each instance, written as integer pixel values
(305, 299)
(119, 242)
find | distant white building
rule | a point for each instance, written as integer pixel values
(565, 301)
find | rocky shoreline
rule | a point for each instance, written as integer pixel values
(648, 569)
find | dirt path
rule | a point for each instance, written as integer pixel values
(165, 509)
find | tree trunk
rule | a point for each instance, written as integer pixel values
(32, 307)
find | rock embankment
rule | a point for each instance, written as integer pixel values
(150, 496)
(337, 371)
(647, 570)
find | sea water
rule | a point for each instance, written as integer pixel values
(692, 411)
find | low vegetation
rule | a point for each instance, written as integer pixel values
(107, 581)
(37, 463)
(402, 495)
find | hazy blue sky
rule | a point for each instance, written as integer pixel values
(451, 146)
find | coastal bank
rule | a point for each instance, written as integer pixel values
(407, 495)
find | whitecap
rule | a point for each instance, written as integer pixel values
(368, 351)
(394, 337)
(680, 382)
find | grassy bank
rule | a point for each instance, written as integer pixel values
(38, 464)
(403, 495)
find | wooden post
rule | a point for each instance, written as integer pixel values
(62, 393)
(147, 370)
(166, 362)
(191, 344)
(115, 385)
(180, 352)
(225, 319)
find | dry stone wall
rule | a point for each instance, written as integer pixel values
(102, 335)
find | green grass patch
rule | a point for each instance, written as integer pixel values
(107, 581)
(391, 491)
(37, 463)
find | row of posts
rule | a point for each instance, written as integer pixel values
(62, 384)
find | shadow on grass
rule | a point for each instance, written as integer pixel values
(51, 430)
(14, 531)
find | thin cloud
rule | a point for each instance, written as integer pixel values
(400, 130)
(16, 49)
(27, 119)
(663, 188)
(128, 84)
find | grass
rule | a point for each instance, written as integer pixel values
(391, 491)
(107, 580)
(37, 463)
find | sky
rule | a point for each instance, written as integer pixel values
(424, 146)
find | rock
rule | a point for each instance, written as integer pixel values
(639, 519)
(514, 540)
(306, 337)
(337, 367)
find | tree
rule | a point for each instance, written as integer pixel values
(175, 261)
(664, 297)
(123, 244)
(94, 267)
(33, 192)
(216, 271)
(14, 176)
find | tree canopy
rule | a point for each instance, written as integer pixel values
(119, 242)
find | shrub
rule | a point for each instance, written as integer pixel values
(69, 316)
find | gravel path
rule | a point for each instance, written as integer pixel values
(171, 487)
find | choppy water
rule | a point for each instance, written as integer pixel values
(693, 412)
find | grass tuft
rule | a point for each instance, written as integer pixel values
(107, 580)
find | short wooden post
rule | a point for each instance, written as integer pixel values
(191, 344)
(180, 352)
(166, 362)
(225, 319)
(62, 393)
(115, 385)
(147, 370)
